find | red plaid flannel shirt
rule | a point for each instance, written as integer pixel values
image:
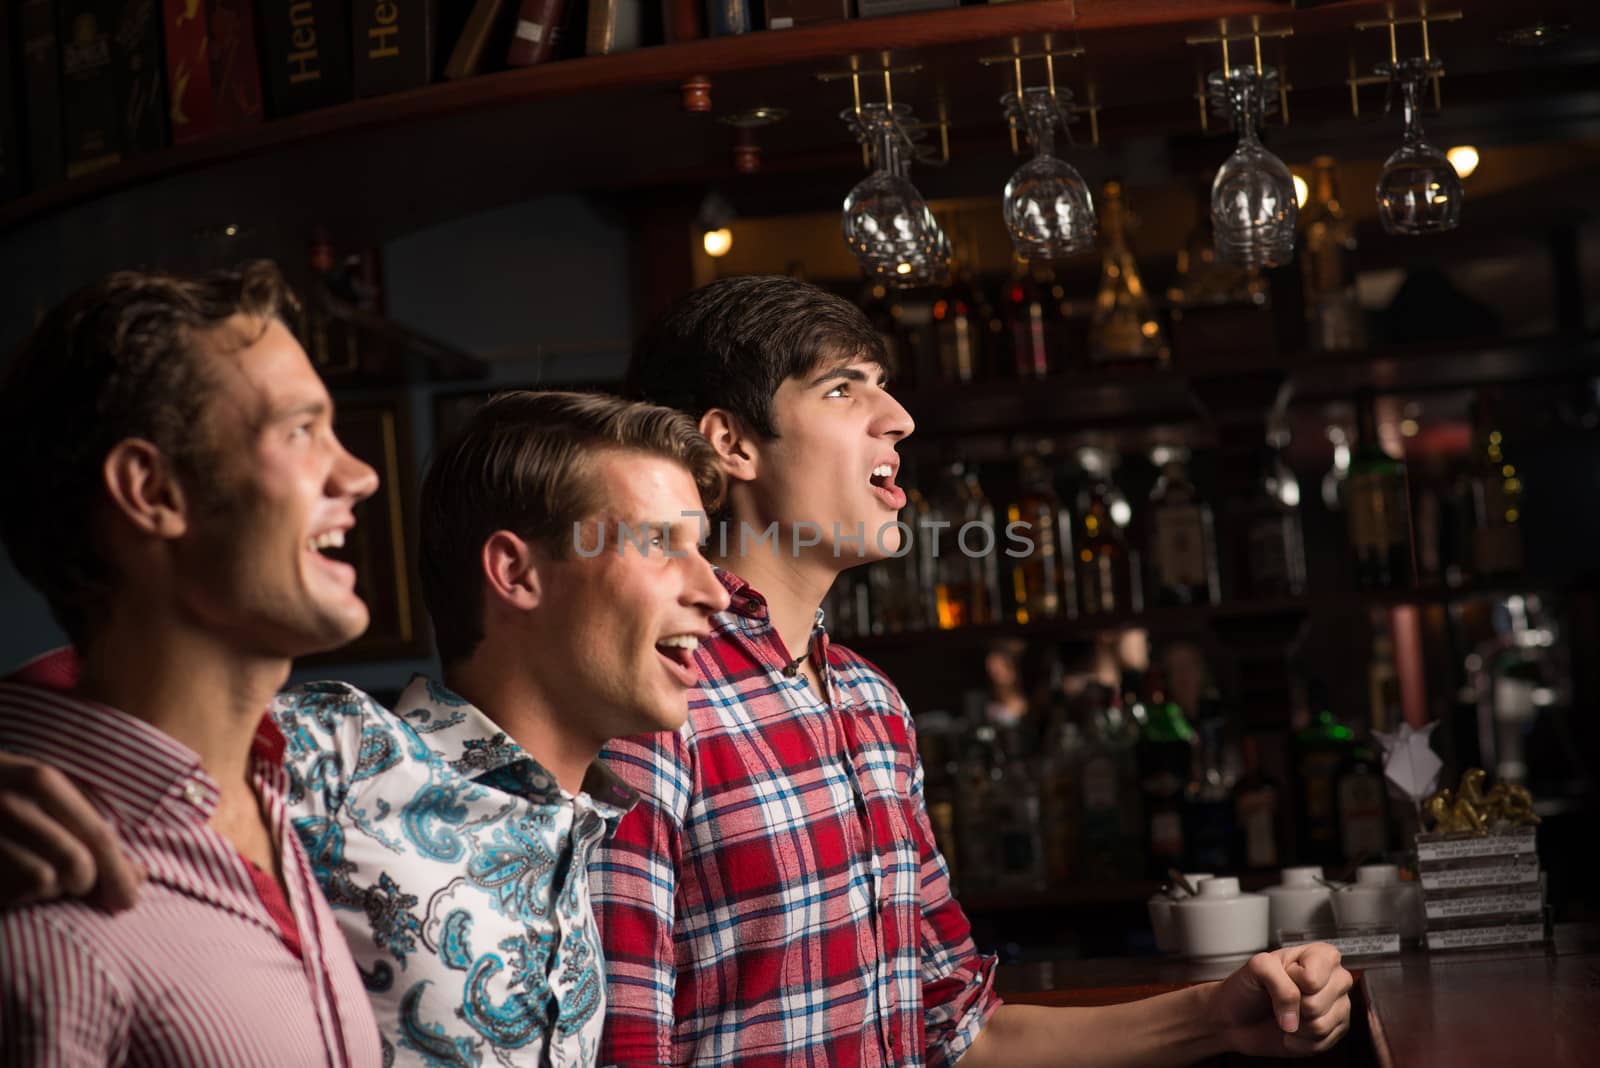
(776, 897)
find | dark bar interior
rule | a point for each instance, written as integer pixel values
(1273, 498)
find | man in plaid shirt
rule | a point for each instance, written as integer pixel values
(776, 898)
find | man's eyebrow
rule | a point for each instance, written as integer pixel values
(294, 411)
(843, 371)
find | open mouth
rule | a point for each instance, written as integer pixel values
(328, 539)
(882, 480)
(678, 651)
(318, 544)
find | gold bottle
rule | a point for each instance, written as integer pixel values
(1334, 313)
(1124, 328)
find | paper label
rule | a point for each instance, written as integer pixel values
(1511, 843)
(1484, 905)
(1522, 870)
(1505, 934)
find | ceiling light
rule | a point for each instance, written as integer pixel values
(1464, 158)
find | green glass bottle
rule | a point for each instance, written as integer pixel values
(1377, 509)
(1322, 749)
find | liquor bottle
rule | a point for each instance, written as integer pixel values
(1204, 282)
(1384, 710)
(936, 747)
(902, 590)
(1257, 812)
(1268, 543)
(1321, 750)
(1208, 812)
(885, 312)
(1495, 486)
(1104, 564)
(1110, 834)
(1378, 512)
(979, 776)
(1124, 328)
(1329, 265)
(1035, 321)
(1363, 811)
(1165, 753)
(1037, 591)
(1063, 755)
(960, 330)
(1017, 808)
(960, 524)
(1182, 540)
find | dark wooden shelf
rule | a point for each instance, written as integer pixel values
(1189, 619)
(383, 167)
(1109, 398)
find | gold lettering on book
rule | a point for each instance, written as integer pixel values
(303, 61)
(383, 39)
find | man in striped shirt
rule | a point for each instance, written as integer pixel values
(776, 897)
(172, 475)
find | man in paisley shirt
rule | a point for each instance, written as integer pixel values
(776, 897)
(452, 836)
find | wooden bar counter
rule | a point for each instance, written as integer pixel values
(1534, 1005)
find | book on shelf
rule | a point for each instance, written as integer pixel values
(785, 14)
(614, 26)
(393, 44)
(487, 32)
(40, 57)
(305, 54)
(683, 20)
(538, 27)
(235, 63)
(140, 80)
(91, 122)
(725, 18)
(191, 104)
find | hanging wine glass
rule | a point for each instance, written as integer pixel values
(1419, 191)
(886, 222)
(1253, 205)
(1047, 206)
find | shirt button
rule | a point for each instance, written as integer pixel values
(192, 794)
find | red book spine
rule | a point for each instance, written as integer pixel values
(189, 94)
(235, 66)
(685, 20)
(534, 39)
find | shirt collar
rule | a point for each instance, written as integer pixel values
(747, 612)
(474, 746)
(131, 766)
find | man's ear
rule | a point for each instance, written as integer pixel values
(511, 570)
(734, 445)
(144, 489)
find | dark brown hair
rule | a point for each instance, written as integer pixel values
(732, 343)
(122, 358)
(524, 462)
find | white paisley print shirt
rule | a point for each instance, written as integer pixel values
(456, 867)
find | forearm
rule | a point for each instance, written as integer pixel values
(1168, 1029)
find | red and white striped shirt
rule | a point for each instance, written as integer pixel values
(212, 967)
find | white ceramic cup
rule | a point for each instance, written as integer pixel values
(1299, 904)
(1220, 921)
(1406, 910)
(1364, 906)
(1160, 906)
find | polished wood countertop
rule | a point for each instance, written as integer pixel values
(1528, 1005)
